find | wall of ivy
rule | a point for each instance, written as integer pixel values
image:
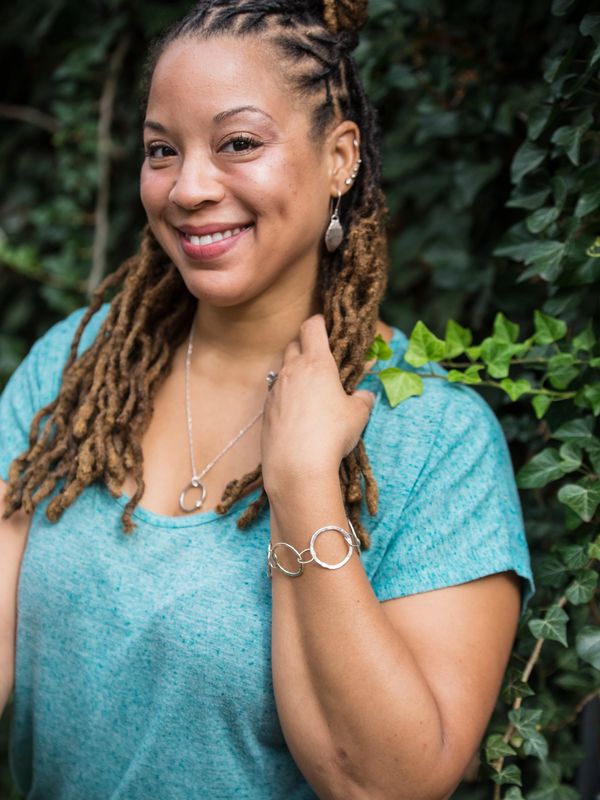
(491, 142)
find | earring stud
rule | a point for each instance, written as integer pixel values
(352, 177)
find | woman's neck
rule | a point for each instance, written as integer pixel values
(252, 336)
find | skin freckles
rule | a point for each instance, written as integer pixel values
(257, 169)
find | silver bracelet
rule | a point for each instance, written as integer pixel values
(351, 538)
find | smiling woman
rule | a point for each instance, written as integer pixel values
(225, 388)
(255, 162)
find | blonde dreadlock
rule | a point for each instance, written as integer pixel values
(94, 428)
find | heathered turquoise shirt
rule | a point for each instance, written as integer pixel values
(143, 665)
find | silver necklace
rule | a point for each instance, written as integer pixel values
(196, 481)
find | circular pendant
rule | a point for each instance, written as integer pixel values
(195, 483)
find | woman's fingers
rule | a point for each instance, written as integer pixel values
(292, 351)
(313, 337)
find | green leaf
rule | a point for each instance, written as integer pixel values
(514, 389)
(594, 548)
(590, 26)
(585, 339)
(569, 137)
(514, 793)
(553, 626)
(510, 774)
(423, 346)
(583, 587)
(541, 219)
(588, 202)
(550, 571)
(379, 349)
(562, 370)
(526, 159)
(525, 720)
(504, 330)
(545, 256)
(576, 430)
(497, 356)
(587, 645)
(537, 119)
(540, 470)
(571, 456)
(470, 375)
(515, 687)
(582, 497)
(536, 745)
(457, 339)
(541, 403)
(528, 200)
(592, 448)
(496, 747)
(590, 395)
(399, 384)
(574, 556)
(548, 329)
(473, 352)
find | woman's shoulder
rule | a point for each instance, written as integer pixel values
(37, 379)
(51, 350)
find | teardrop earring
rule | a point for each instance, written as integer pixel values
(334, 233)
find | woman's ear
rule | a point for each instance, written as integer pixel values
(343, 147)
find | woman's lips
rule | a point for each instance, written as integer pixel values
(207, 246)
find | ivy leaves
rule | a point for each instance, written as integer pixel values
(547, 355)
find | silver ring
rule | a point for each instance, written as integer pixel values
(346, 536)
(271, 378)
(195, 483)
(274, 561)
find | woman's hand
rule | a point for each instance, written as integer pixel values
(310, 423)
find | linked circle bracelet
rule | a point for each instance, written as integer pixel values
(350, 537)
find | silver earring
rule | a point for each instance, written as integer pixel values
(334, 233)
(349, 181)
(352, 177)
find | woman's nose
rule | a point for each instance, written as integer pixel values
(197, 182)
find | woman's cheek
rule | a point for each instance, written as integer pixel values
(153, 190)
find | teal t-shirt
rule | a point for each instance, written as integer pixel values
(143, 663)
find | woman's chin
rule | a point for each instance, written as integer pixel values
(217, 290)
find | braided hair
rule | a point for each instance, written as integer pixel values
(94, 428)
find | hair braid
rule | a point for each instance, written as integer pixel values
(93, 430)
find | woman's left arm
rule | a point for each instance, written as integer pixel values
(381, 701)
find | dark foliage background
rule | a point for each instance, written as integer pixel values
(489, 114)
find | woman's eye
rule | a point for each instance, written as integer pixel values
(241, 144)
(158, 151)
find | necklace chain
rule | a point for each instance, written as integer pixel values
(196, 481)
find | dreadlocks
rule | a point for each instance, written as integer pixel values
(94, 428)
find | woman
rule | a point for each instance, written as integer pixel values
(190, 658)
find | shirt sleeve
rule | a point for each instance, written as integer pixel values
(34, 384)
(462, 519)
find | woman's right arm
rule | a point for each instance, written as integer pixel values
(13, 537)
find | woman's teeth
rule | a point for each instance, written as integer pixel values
(212, 237)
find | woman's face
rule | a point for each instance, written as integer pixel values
(235, 190)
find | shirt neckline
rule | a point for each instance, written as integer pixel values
(204, 518)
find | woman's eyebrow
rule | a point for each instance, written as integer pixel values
(223, 115)
(154, 126)
(220, 117)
